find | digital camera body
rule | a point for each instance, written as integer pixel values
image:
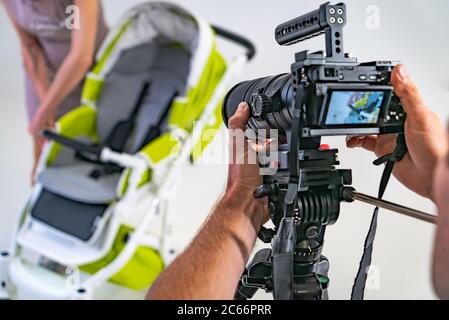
(340, 96)
(347, 98)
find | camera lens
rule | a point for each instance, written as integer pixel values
(332, 20)
(280, 90)
(332, 11)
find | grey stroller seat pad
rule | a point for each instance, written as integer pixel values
(78, 182)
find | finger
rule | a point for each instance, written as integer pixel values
(353, 142)
(240, 118)
(40, 142)
(237, 141)
(407, 91)
(34, 132)
(31, 128)
(368, 143)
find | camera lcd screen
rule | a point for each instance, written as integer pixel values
(352, 108)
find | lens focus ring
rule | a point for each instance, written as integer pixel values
(260, 105)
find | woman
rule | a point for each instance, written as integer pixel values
(58, 41)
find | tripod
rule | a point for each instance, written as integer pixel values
(294, 268)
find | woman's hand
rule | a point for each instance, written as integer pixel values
(424, 134)
(44, 117)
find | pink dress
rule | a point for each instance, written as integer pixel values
(46, 21)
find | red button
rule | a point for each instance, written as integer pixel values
(324, 147)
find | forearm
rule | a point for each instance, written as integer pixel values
(441, 258)
(35, 66)
(211, 266)
(69, 75)
(34, 60)
(80, 57)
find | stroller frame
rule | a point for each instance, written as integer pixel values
(13, 274)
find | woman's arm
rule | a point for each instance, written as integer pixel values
(211, 266)
(75, 65)
(34, 60)
(35, 65)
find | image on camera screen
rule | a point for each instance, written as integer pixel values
(354, 107)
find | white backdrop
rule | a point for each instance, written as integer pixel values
(412, 31)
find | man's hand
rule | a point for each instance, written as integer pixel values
(424, 133)
(243, 174)
(210, 268)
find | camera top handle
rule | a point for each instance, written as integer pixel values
(328, 19)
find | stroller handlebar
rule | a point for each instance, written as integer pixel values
(101, 154)
(231, 36)
(72, 144)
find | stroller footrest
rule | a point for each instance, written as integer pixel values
(72, 217)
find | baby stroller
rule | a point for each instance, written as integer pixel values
(96, 215)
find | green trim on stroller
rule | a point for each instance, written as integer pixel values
(78, 123)
(137, 273)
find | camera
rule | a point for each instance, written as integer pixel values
(341, 96)
(326, 94)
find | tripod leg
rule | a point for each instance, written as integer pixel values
(322, 268)
(244, 293)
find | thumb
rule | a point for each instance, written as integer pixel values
(32, 128)
(51, 122)
(407, 91)
(240, 118)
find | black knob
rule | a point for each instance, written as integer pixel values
(263, 191)
(261, 105)
(265, 234)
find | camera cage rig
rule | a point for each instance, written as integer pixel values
(328, 19)
(306, 192)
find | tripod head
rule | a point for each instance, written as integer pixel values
(317, 205)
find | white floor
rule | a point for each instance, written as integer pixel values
(403, 247)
